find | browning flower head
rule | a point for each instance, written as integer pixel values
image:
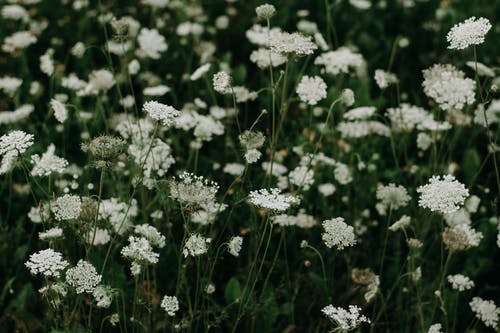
(104, 149)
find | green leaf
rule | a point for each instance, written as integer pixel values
(233, 290)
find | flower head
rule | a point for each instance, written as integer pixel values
(161, 112)
(272, 199)
(170, 304)
(467, 33)
(83, 277)
(47, 263)
(443, 194)
(311, 89)
(338, 233)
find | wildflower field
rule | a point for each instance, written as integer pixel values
(241, 166)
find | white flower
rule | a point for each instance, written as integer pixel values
(222, 82)
(151, 43)
(292, 44)
(384, 79)
(47, 263)
(158, 90)
(198, 73)
(460, 282)
(18, 41)
(83, 277)
(60, 111)
(393, 196)
(265, 57)
(170, 304)
(103, 295)
(12, 145)
(191, 190)
(151, 234)
(67, 207)
(9, 84)
(467, 33)
(139, 250)
(339, 61)
(50, 234)
(265, 11)
(338, 233)
(302, 176)
(448, 86)
(436, 328)
(163, 113)
(196, 245)
(47, 63)
(272, 199)
(346, 319)
(486, 311)
(400, 224)
(311, 89)
(360, 113)
(234, 245)
(443, 194)
(347, 97)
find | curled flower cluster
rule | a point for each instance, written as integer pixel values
(170, 304)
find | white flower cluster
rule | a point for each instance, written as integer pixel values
(448, 86)
(347, 320)
(234, 245)
(486, 311)
(301, 220)
(393, 196)
(48, 263)
(67, 207)
(338, 233)
(170, 304)
(467, 33)
(191, 190)
(103, 295)
(9, 84)
(460, 282)
(140, 252)
(196, 245)
(222, 82)
(311, 89)
(360, 113)
(339, 61)
(83, 277)
(48, 163)
(292, 44)
(151, 43)
(165, 114)
(151, 234)
(272, 199)
(118, 213)
(60, 111)
(400, 224)
(12, 145)
(265, 11)
(11, 117)
(436, 328)
(442, 194)
(264, 58)
(50, 234)
(384, 79)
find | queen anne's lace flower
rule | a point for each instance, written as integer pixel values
(151, 43)
(265, 57)
(170, 304)
(347, 320)
(467, 33)
(393, 196)
(272, 199)
(103, 295)
(460, 282)
(12, 145)
(48, 163)
(191, 190)
(443, 194)
(486, 311)
(60, 111)
(140, 250)
(83, 277)
(196, 245)
(339, 61)
(292, 44)
(311, 89)
(222, 82)
(67, 207)
(151, 234)
(436, 328)
(234, 245)
(265, 11)
(163, 113)
(338, 233)
(448, 86)
(47, 263)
